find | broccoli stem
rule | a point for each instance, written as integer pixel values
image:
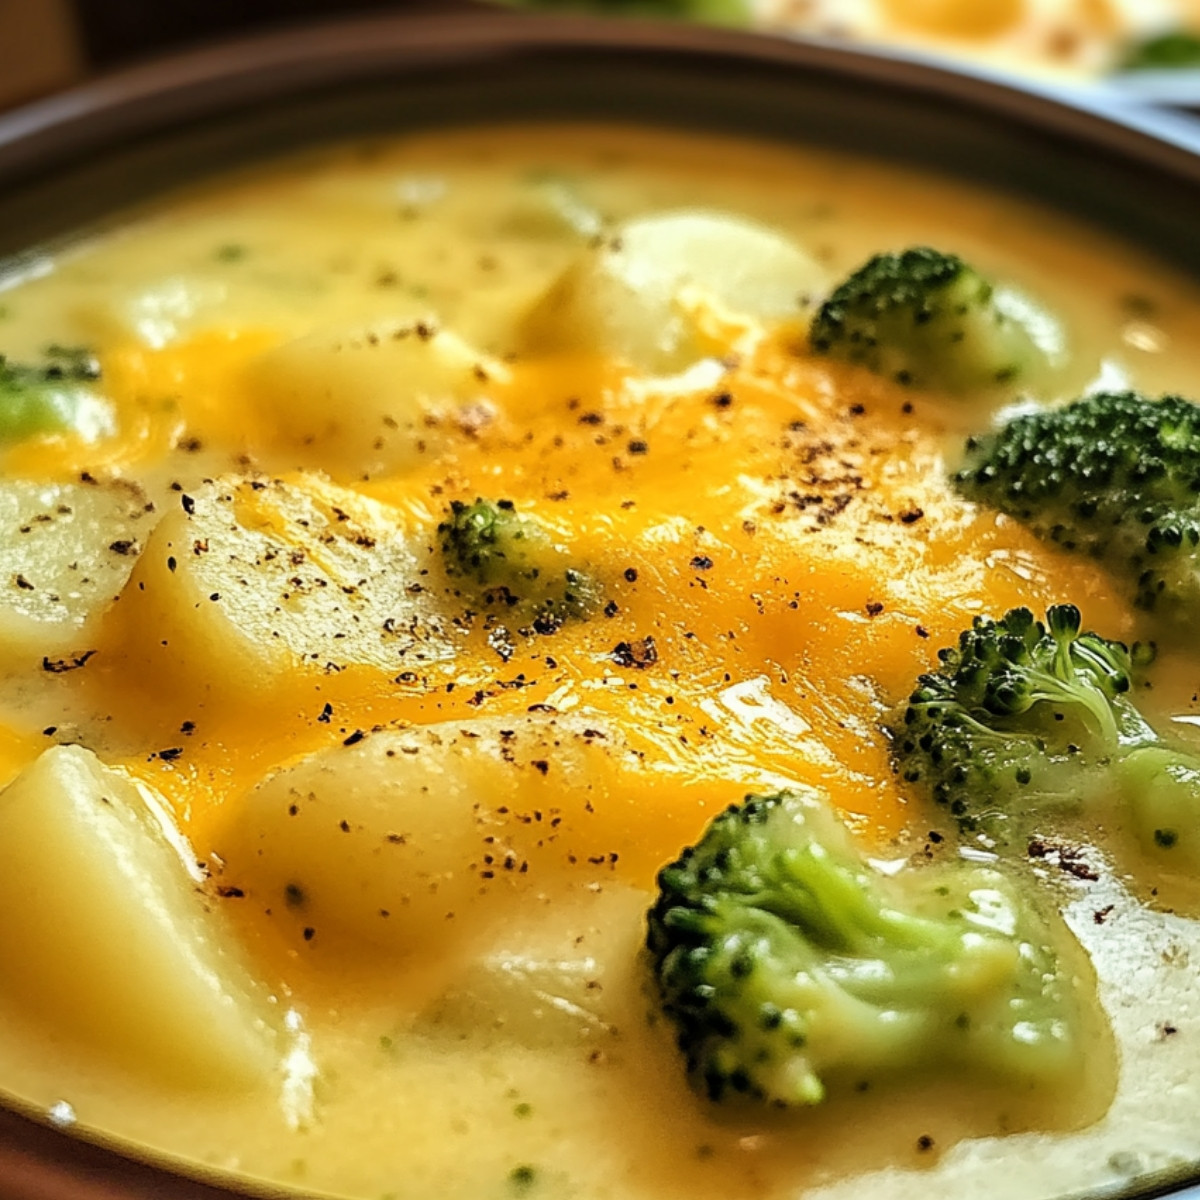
(1160, 788)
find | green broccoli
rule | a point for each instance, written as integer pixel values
(1173, 50)
(789, 967)
(926, 318)
(1024, 717)
(1114, 476)
(510, 564)
(54, 397)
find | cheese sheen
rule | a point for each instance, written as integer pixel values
(405, 835)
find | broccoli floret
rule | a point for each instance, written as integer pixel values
(1173, 50)
(790, 967)
(1024, 717)
(926, 318)
(1114, 476)
(53, 397)
(510, 563)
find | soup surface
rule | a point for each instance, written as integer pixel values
(369, 916)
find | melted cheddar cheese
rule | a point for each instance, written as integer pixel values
(423, 843)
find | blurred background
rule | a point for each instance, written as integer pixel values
(1149, 48)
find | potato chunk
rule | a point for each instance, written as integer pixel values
(418, 839)
(632, 295)
(248, 580)
(375, 398)
(109, 938)
(66, 550)
(567, 976)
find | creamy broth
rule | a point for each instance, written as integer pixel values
(777, 525)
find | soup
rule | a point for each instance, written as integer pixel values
(333, 850)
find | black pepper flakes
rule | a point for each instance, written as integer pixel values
(640, 653)
(59, 666)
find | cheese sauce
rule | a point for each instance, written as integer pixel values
(780, 555)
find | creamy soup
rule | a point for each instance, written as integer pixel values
(325, 872)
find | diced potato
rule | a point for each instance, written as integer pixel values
(529, 1000)
(375, 398)
(565, 977)
(110, 938)
(249, 579)
(66, 551)
(632, 296)
(417, 840)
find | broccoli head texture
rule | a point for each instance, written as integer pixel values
(788, 965)
(510, 563)
(926, 318)
(48, 398)
(1114, 476)
(1023, 717)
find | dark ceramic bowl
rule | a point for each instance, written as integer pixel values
(73, 160)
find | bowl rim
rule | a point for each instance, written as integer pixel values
(217, 78)
(40, 1158)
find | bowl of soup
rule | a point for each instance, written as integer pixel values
(449, 466)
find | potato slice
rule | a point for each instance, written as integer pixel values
(418, 840)
(567, 976)
(248, 580)
(66, 551)
(375, 398)
(627, 296)
(111, 939)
